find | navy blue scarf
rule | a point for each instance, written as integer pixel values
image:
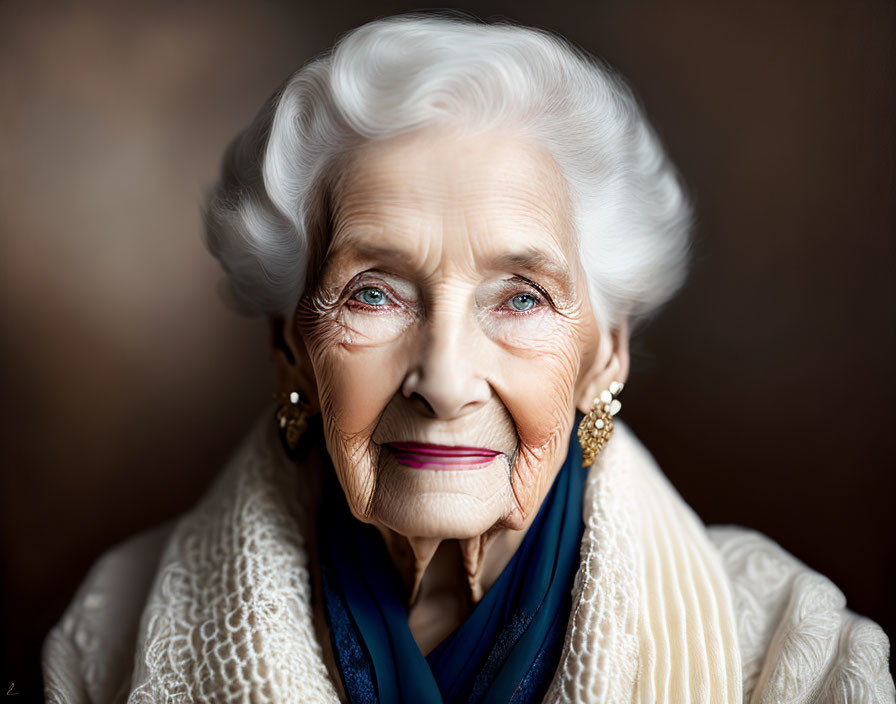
(506, 650)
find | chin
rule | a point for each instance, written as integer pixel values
(447, 504)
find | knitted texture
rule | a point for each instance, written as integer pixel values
(797, 640)
(229, 617)
(652, 617)
(600, 656)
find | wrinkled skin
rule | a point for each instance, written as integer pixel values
(451, 309)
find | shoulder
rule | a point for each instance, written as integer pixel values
(231, 571)
(798, 640)
(88, 655)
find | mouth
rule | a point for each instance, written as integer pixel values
(423, 455)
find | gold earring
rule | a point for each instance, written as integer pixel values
(597, 426)
(292, 416)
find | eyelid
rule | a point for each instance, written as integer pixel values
(391, 300)
(361, 281)
(504, 308)
(365, 287)
(367, 279)
(543, 295)
(505, 304)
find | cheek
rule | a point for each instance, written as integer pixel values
(538, 388)
(362, 329)
(524, 335)
(356, 384)
(538, 391)
(355, 378)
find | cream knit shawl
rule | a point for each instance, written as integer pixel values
(217, 607)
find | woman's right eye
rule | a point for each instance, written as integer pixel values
(371, 296)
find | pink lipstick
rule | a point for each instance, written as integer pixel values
(424, 455)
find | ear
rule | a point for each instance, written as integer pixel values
(609, 363)
(292, 363)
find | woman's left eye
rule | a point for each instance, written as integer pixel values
(522, 302)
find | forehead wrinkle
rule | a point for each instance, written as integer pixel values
(507, 210)
(387, 178)
(374, 211)
(404, 167)
(378, 252)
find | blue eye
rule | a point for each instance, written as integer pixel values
(371, 296)
(523, 301)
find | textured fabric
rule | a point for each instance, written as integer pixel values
(508, 647)
(798, 642)
(367, 612)
(217, 608)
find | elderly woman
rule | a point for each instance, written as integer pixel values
(453, 227)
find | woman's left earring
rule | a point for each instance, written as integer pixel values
(292, 417)
(596, 427)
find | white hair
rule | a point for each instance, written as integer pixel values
(267, 219)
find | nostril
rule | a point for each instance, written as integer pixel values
(420, 399)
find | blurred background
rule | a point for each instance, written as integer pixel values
(765, 389)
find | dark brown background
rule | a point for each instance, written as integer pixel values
(766, 389)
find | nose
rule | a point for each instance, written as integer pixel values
(446, 379)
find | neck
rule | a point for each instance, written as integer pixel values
(446, 578)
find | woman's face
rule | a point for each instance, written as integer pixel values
(449, 332)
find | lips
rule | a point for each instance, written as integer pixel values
(422, 455)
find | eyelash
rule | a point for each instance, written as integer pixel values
(376, 310)
(505, 306)
(539, 297)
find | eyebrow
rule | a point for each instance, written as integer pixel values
(527, 259)
(535, 260)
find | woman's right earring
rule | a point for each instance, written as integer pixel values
(596, 427)
(292, 417)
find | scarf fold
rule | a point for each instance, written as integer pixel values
(506, 650)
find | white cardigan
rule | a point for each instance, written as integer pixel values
(217, 607)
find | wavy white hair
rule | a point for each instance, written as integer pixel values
(267, 220)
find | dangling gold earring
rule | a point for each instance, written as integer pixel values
(597, 426)
(292, 417)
